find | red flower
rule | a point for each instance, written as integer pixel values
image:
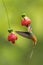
(12, 37)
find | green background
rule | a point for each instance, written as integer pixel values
(19, 54)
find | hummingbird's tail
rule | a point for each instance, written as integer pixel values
(34, 40)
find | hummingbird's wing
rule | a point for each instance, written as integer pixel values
(25, 34)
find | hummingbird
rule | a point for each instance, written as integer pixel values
(28, 35)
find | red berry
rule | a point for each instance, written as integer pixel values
(12, 37)
(26, 22)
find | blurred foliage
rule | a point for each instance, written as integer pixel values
(19, 53)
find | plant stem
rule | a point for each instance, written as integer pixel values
(6, 13)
